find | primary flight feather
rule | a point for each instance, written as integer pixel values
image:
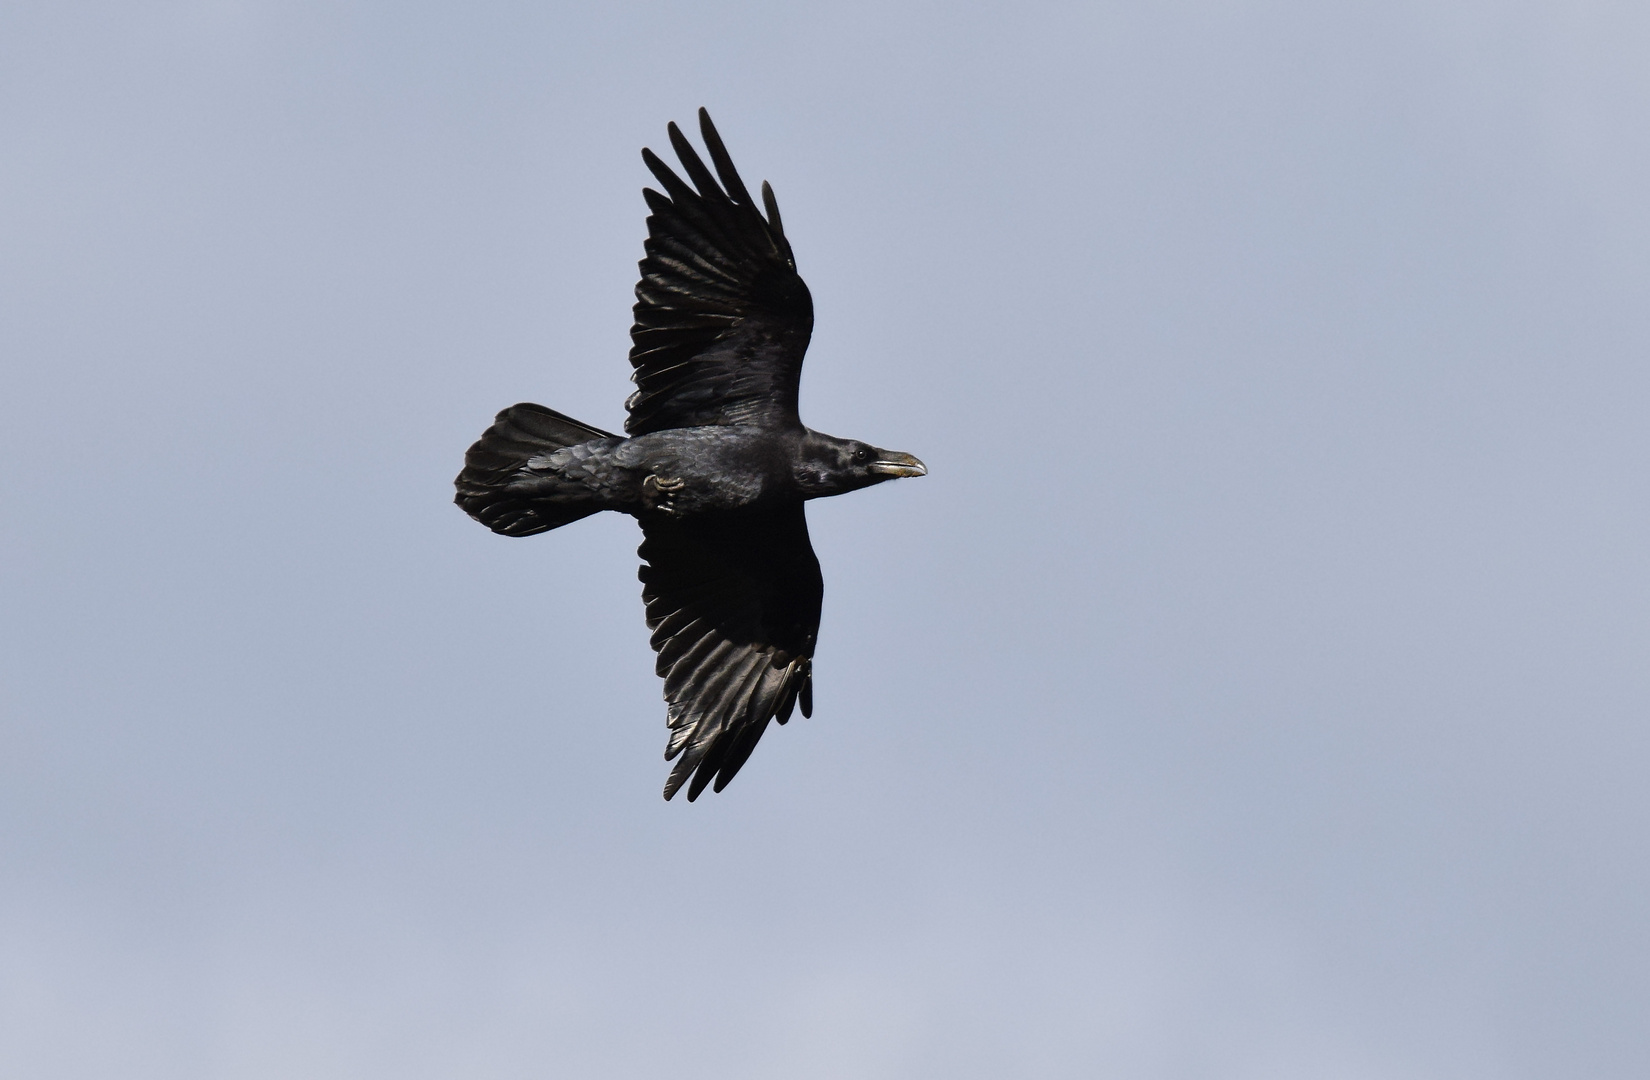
(716, 467)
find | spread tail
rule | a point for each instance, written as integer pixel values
(505, 484)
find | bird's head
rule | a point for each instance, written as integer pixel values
(827, 465)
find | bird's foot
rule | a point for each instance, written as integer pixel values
(659, 493)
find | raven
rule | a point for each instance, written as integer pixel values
(716, 466)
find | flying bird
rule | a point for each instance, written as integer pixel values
(715, 464)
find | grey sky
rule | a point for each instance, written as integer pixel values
(1256, 688)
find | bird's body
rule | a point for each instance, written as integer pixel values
(686, 471)
(716, 467)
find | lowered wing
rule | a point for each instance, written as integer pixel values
(733, 602)
(722, 317)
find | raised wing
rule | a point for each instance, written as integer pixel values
(722, 318)
(733, 602)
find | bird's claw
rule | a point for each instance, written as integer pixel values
(659, 493)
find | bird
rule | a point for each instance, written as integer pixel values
(714, 463)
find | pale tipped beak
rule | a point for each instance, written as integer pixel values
(892, 464)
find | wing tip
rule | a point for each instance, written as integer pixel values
(714, 761)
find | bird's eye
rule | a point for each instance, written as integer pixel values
(862, 456)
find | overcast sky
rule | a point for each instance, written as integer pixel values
(1257, 687)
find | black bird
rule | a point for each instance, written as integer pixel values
(716, 467)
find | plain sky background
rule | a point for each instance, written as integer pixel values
(1256, 688)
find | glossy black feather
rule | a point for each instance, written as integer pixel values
(722, 319)
(733, 599)
(500, 489)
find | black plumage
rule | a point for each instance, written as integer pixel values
(715, 464)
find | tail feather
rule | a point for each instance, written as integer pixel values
(495, 487)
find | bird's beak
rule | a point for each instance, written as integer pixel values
(892, 464)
